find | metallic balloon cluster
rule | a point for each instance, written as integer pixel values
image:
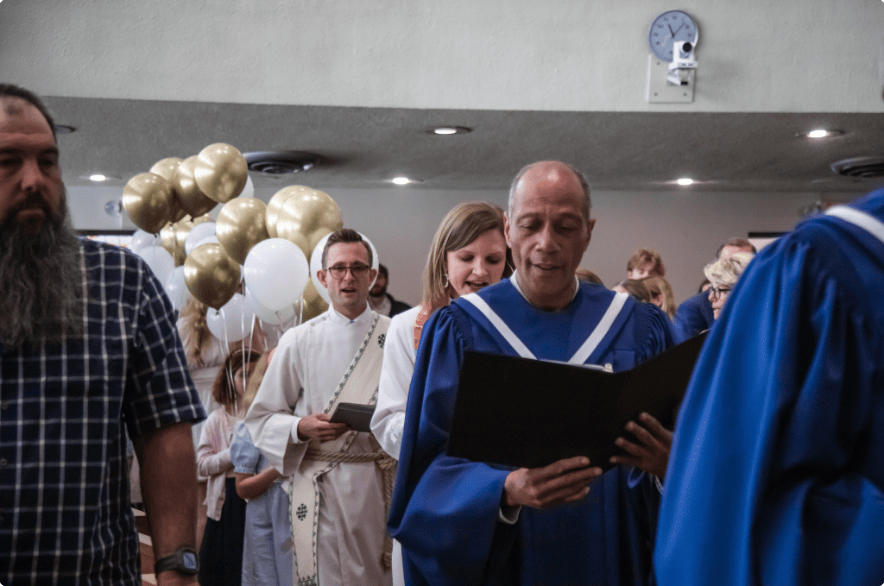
(172, 200)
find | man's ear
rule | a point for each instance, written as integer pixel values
(590, 224)
(372, 277)
(322, 276)
(506, 229)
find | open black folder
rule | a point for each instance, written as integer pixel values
(530, 413)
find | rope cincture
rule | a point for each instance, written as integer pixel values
(385, 463)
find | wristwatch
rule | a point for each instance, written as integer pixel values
(185, 561)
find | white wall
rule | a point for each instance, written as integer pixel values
(685, 226)
(571, 55)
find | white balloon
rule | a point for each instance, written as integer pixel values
(249, 189)
(142, 239)
(176, 288)
(159, 261)
(233, 322)
(197, 235)
(316, 264)
(276, 273)
(270, 316)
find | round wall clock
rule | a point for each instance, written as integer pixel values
(668, 28)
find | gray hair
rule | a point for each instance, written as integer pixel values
(727, 271)
(587, 204)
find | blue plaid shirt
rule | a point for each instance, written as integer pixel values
(65, 516)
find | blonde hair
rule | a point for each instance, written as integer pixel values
(255, 380)
(463, 224)
(660, 286)
(197, 338)
(727, 271)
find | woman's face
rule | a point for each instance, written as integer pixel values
(718, 294)
(239, 383)
(478, 264)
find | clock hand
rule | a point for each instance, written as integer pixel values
(678, 29)
(672, 32)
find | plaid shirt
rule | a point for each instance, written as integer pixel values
(65, 516)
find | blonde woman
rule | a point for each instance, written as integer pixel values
(723, 275)
(469, 252)
(661, 294)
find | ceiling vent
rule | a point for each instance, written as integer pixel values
(860, 167)
(281, 162)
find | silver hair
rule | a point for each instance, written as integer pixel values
(587, 203)
(726, 272)
(41, 291)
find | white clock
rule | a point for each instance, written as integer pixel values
(669, 28)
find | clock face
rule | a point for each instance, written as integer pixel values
(668, 28)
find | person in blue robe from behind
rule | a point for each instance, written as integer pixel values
(777, 469)
(462, 522)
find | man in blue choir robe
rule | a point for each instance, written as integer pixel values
(777, 470)
(461, 522)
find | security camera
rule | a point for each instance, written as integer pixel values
(683, 63)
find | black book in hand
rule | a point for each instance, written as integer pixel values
(356, 415)
(530, 413)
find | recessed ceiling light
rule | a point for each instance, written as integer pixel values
(98, 177)
(401, 180)
(448, 130)
(685, 181)
(821, 133)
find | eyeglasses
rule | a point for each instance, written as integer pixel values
(719, 291)
(340, 271)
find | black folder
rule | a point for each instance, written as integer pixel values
(357, 416)
(530, 413)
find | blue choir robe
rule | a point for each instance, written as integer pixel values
(445, 511)
(693, 316)
(777, 471)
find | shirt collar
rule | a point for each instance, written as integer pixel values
(341, 319)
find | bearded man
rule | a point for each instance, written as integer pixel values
(87, 345)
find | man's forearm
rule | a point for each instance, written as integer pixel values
(168, 485)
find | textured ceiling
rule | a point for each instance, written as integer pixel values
(366, 147)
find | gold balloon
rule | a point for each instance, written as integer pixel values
(182, 229)
(148, 199)
(312, 303)
(166, 168)
(240, 226)
(221, 172)
(306, 217)
(276, 203)
(202, 219)
(167, 234)
(211, 275)
(193, 200)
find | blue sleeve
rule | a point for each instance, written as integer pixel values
(693, 316)
(777, 467)
(444, 510)
(243, 452)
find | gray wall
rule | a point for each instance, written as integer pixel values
(685, 226)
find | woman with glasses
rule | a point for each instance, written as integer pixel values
(723, 275)
(468, 253)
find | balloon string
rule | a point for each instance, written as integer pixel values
(229, 370)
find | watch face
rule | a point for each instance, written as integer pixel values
(189, 560)
(668, 28)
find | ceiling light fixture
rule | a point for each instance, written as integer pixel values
(98, 177)
(449, 130)
(820, 133)
(685, 181)
(401, 180)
